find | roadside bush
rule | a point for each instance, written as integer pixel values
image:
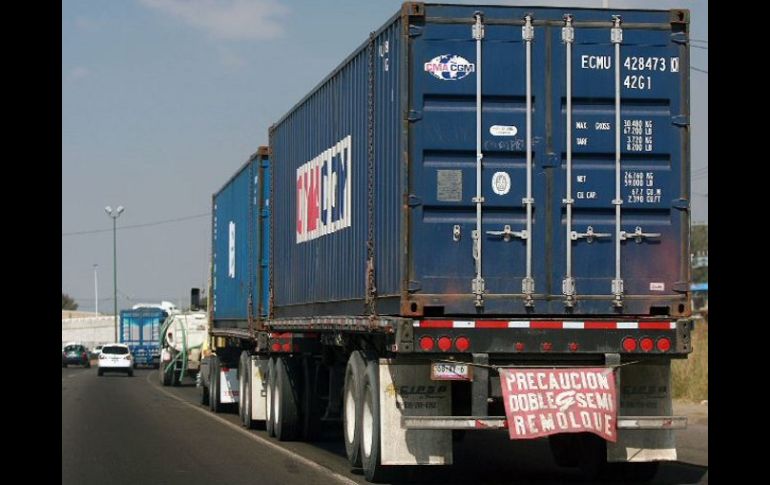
(690, 378)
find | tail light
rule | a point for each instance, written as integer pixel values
(102, 356)
(519, 346)
(286, 347)
(573, 347)
(547, 346)
(127, 356)
(426, 343)
(629, 344)
(646, 344)
(276, 347)
(462, 343)
(664, 344)
(444, 343)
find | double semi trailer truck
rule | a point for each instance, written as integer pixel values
(479, 220)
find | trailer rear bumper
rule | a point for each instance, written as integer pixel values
(499, 422)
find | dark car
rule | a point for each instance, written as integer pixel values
(75, 354)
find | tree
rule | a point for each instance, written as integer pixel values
(67, 302)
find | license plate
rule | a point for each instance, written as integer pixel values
(440, 371)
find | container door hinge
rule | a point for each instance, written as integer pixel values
(415, 30)
(414, 115)
(680, 120)
(414, 201)
(681, 204)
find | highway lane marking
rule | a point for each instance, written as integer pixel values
(291, 454)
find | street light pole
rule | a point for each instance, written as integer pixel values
(114, 215)
(96, 291)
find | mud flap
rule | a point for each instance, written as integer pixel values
(228, 386)
(645, 390)
(259, 388)
(407, 390)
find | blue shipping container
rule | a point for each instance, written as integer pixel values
(140, 330)
(240, 240)
(567, 193)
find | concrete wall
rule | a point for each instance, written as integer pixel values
(90, 331)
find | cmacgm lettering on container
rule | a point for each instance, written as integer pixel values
(324, 192)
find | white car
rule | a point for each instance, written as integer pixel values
(116, 358)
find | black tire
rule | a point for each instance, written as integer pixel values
(352, 396)
(286, 408)
(244, 388)
(248, 423)
(204, 394)
(374, 471)
(99, 372)
(565, 449)
(165, 377)
(270, 421)
(130, 373)
(215, 403)
(311, 406)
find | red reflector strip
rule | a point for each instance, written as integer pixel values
(492, 324)
(655, 325)
(546, 325)
(600, 325)
(436, 324)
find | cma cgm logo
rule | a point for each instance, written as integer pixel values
(449, 67)
(323, 193)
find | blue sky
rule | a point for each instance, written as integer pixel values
(162, 100)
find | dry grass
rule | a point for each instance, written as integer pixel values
(690, 378)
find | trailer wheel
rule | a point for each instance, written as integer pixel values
(270, 421)
(311, 408)
(351, 407)
(246, 397)
(244, 403)
(214, 402)
(240, 387)
(165, 377)
(286, 399)
(370, 425)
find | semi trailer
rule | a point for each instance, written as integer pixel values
(478, 221)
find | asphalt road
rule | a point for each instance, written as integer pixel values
(122, 430)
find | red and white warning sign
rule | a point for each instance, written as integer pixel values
(541, 402)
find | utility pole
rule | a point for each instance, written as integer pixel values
(96, 291)
(114, 215)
